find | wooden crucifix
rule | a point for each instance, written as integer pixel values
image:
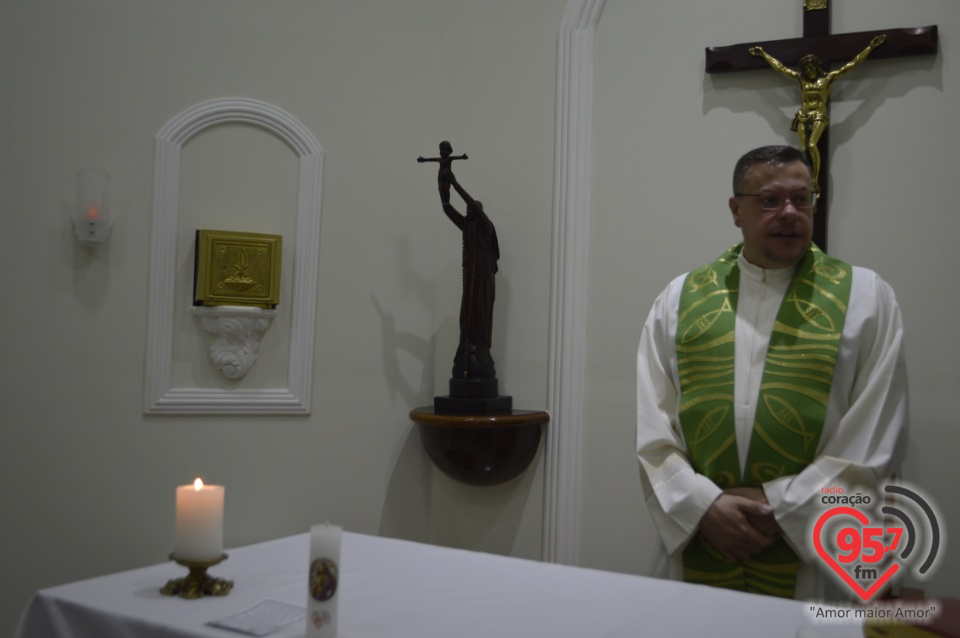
(850, 48)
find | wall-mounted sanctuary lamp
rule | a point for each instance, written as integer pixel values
(91, 219)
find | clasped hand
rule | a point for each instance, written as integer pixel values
(740, 523)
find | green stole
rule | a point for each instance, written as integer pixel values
(794, 389)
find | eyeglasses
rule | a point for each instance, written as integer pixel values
(802, 200)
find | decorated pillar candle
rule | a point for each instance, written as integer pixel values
(323, 583)
(199, 535)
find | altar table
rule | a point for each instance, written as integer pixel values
(399, 589)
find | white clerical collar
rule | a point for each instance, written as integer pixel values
(764, 274)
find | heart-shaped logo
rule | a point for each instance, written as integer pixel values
(865, 594)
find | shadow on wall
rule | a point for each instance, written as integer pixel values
(420, 349)
(425, 505)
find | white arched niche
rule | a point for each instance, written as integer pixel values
(159, 396)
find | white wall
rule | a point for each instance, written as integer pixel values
(88, 480)
(666, 139)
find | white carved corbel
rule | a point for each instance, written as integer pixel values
(238, 330)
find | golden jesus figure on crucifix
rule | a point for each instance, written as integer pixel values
(812, 120)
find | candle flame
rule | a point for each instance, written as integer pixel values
(198, 485)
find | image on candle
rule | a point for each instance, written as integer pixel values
(323, 579)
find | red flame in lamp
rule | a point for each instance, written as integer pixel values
(92, 219)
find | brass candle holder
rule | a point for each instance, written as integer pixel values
(197, 583)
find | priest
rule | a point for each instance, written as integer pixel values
(762, 378)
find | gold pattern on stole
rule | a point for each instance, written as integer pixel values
(703, 279)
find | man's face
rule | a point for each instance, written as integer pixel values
(779, 238)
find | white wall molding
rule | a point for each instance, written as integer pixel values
(571, 236)
(159, 396)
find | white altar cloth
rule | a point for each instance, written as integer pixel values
(399, 589)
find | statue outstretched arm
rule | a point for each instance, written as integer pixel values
(471, 203)
(860, 57)
(455, 216)
(422, 159)
(774, 63)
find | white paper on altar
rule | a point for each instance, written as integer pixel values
(262, 619)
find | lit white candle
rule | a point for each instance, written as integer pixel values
(199, 522)
(323, 583)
